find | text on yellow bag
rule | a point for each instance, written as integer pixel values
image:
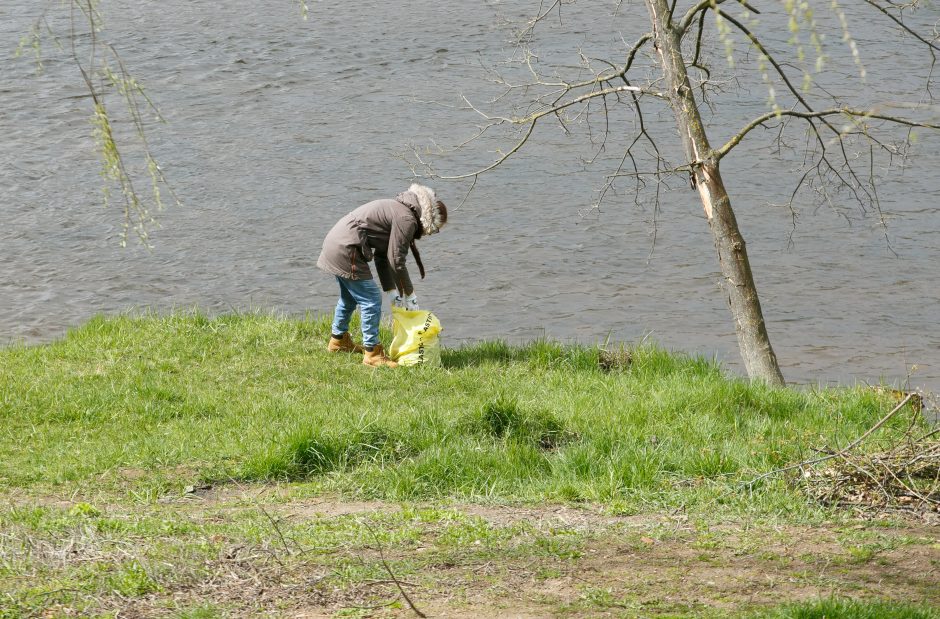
(415, 337)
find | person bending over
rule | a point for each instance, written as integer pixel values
(380, 231)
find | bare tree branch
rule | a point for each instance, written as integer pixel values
(703, 5)
(770, 58)
(533, 118)
(852, 113)
(539, 16)
(696, 57)
(932, 45)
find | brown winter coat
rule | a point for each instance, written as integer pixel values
(379, 231)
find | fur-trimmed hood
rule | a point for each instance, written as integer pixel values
(424, 202)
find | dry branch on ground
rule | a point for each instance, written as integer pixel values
(904, 477)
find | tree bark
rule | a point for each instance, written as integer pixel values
(753, 341)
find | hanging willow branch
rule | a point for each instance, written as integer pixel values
(106, 77)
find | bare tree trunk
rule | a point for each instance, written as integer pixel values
(759, 358)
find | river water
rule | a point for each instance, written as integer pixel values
(278, 126)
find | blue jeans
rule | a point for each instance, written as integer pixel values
(366, 294)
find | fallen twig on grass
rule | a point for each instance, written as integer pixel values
(841, 452)
(398, 583)
(277, 529)
(903, 478)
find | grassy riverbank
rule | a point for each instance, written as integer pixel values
(169, 465)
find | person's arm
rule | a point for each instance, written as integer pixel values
(400, 237)
(385, 273)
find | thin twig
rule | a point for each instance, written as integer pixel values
(277, 530)
(839, 453)
(391, 574)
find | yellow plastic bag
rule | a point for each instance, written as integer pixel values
(415, 337)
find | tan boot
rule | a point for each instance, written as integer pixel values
(344, 344)
(376, 358)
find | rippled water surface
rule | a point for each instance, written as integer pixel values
(276, 127)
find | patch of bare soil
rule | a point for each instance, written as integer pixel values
(686, 573)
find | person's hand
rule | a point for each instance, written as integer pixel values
(411, 302)
(395, 299)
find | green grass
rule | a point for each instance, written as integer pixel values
(837, 608)
(168, 401)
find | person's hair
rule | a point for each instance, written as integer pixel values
(442, 209)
